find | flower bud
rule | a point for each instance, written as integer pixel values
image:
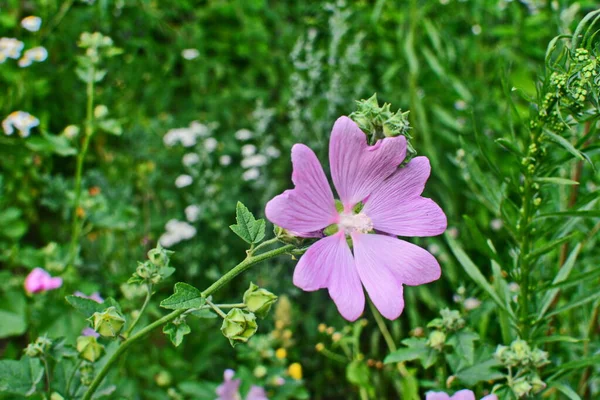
(145, 270)
(163, 378)
(56, 396)
(539, 358)
(537, 385)
(159, 256)
(89, 349)
(521, 350)
(520, 387)
(451, 319)
(259, 300)
(108, 323)
(436, 340)
(239, 326)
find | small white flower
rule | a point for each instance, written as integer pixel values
(251, 174)
(24, 62)
(11, 48)
(199, 129)
(183, 181)
(272, 152)
(71, 131)
(190, 54)
(192, 213)
(434, 249)
(190, 159)
(453, 232)
(476, 29)
(225, 160)
(257, 160)
(180, 135)
(514, 287)
(100, 111)
(471, 303)
(210, 144)
(21, 121)
(243, 134)
(31, 23)
(176, 231)
(460, 105)
(248, 150)
(496, 224)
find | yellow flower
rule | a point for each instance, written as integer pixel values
(295, 371)
(281, 353)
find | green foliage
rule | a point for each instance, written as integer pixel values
(247, 227)
(20, 377)
(185, 297)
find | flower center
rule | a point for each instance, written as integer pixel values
(355, 223)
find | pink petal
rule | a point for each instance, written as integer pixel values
(383, 287)
(436, 396)
(465, 394)
(53, 283)
(36, 280)
(409, 263)
(329, 264)
(310, 206)
(358, 169)
(490, 397)
(256, 393)
(396, 206)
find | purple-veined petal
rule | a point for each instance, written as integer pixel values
(358, 169)
(410, 264)
(383, 287)
(310, 206)
(464, 394)
(329, 264)
(436, 396)
(396, 206)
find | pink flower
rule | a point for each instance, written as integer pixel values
(460, 395)
(94, 296)
(392, 206)
(39, 280)
(229, 389)
(256, 393)
(89, 332)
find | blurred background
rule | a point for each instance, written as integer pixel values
(200, 109)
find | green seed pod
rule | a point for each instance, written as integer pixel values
(239, 326)
(89, 349)
(520, 387)
(159, 256)
(108, 323)
(259, 300)
(436, 340)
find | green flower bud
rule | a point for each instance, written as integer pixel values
(520, 387)
(159, 256)
(89, 349)
(539, 358)
(163, 378)
(521, 350)
(285, 236)
(260, 371)
(87, 374)
(452, 320)
(32, 350)
(56, 396)
(108, 323)
(239, 326)
(259, 300)
(537, 385)
(145, 270)
(436, 340)
(41, 345)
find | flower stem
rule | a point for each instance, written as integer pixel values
(264, 244)
(216, 309)
(89, 131)
(75, 369)
(238, 269)
(146, 301)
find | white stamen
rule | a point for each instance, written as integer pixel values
(355, 223)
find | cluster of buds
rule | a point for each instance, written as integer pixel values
(239, 326)
(155, 270)
(97, 47)
(108, 323)
(259, 300)
(451, 321)
(38, 348)
(527, 360)
(380, 122)
(88, 348)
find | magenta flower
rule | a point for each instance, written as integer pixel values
(39, 280)
(391, 206)
(94, 296)
(256, 393)
(230, 389)
(89, 332)
(460, 395)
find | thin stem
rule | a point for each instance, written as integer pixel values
(333, 356)
(47, 372)
(89, 131)
(216, 309)
(68, 387)
(146, 301)
(264, 244)
(237, 305)
(222, 281)
(363, 393)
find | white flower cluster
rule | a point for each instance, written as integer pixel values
(252, 160)
(35, 54)
(176, 231)
(190, 54)
(183, 181)
(192, 213)
(188, 137)
(12, 48)
(32, 23)
(21, 121)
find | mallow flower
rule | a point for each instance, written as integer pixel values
(229, 389)
(378, 202)
(39, 280)
(464, 394)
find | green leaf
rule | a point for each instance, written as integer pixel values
(479, 372)
(185, 296)
(463, 343)
(512, 147)
(88, 307)
(475, 274)
(357, 373)
(566, 390)
(13, 314)
(575, 304)
(204, 313)
(572, 213)
(20, 377)
(176, 332)
(416, 349)
(556, 180)
(51, 144)
(247, 227)
(568, 146)
(562, 275)
(550, 246)
(577, 364)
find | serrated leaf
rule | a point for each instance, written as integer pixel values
(20, 377)
(185, 296)
(415, 349)
(176, 332)
(479, 372)
(463, 343)
(248, 228)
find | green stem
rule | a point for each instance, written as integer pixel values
(216, 309)
(222, 281)
(264, 244)
(146, 301)
(68, 387)
(333, 356)
(89, 131)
